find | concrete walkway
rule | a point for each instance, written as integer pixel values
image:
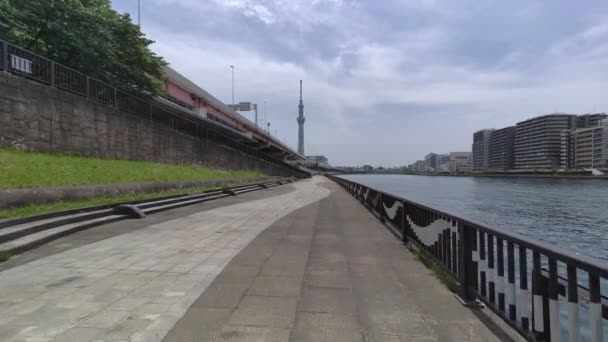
(306, 265)
(328, 272)
(135, 286)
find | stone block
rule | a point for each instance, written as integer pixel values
(277, 312)
(273, 286)
(5, 105)
(312, 327)
(328, 300)
(235, 333)
(18, 111)
(44, 125)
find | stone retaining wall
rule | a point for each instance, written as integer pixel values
(40, 118)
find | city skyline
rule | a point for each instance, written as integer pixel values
(419, 75)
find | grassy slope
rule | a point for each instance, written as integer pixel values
(19, 169)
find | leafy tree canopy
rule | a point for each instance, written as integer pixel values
(86, 35)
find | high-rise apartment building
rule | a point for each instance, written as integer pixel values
(538, 141)
(461, 162)
(443, 163)
(481, 149)
(430, 162)
(501, 149)
(585, 147)
(419, 166)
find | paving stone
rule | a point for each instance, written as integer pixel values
(221, 295)
(239, 275)
(104, 319)
(236, 333)
(275, 286)
(199, 325)
(326, 327)
(333, 279)
(327, 300)
(275, 312)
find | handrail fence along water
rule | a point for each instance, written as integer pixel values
(520, 279)
(23, 63)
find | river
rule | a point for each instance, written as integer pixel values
(570, 213)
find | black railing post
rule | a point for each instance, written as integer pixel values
(500, 271)
(5, 63)
(553, 297)
(465, 263)
(404, 224)
(510, 292)
(595, 305)
(572, 291)
(540, 303)
(381, 207)
(88, 87)
(52, 74)
(455, 253)
(524, 296)
(491, 273)
(448, 249)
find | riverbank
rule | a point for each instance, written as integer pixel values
(512, 176)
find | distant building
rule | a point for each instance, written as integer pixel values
(501, 149)
(443, 163)
(430, 162)
(317, 159)
(481, 149)
(461, 162)
(538, 141)
(419, 166)
(585, 147)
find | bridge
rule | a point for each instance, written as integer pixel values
(298, 262)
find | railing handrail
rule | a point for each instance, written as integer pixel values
(583, 262)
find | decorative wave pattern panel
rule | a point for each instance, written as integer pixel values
(430, 234)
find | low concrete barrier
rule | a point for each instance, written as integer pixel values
(22, 197)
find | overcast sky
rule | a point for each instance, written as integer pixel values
(386, 82)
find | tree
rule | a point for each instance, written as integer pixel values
(88, 36)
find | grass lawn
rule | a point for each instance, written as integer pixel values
(38, 209)
(22, 169)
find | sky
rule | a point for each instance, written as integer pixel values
(386, 82)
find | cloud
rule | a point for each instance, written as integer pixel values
(387, 82)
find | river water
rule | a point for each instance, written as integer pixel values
(570, 213)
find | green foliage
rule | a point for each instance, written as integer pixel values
(23, 169)
(86, 35)
(4, 256)
(443, 276)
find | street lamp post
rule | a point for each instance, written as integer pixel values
(138, 13)
(265, 110)
(232, 67)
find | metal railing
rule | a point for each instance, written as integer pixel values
(32, 66)
(543, 292)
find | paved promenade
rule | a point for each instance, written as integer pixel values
(305, 265)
